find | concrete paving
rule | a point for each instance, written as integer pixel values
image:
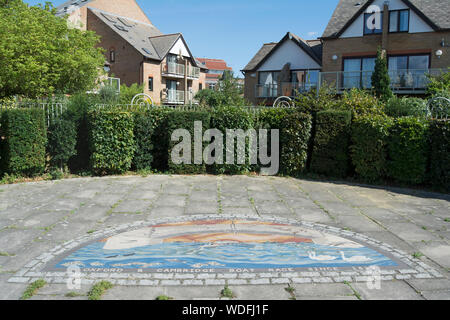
(36, 217)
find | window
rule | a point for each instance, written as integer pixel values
(150, 83)
(358, 72)
(399, 21)
(409, 71)
(200, 86)
(371, 23)
(112, 55)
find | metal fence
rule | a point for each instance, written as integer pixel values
(52, 111)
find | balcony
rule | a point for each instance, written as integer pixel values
(193, 72)
(402, 81)
(173, 70)
(176, 70)
(288, 89)
(174, 97)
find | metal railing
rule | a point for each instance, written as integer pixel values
(52, 111)
(172, 68)
(402, 81)
(193, 72)
(174, 96)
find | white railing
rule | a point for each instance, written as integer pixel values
(172, 68)
(113, 82)
(401, 80)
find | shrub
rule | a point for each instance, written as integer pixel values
(408, 150)
(295, 132)
(404, 107)
(440, 154)
(439, 83)
(127, 93)
(380, 78)
(369, 146)
(361, 103)
(331, 143)
(25, 138)
(160, 138)
(111, 140)
(144, 127)
(186, 120)
(232, 118)
(62, 140)
(311, 102)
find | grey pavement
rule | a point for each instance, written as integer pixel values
(36, 217)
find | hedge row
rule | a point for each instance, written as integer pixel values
(23, 141)
(331, 144)
(407, 150)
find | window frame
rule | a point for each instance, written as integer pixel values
(398, 21)
(408, 56)
(373, 31)
(112, 55)
(150, 84)
(360, 58)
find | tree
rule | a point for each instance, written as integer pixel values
(380, 78)
(228, 93)
(40, 55)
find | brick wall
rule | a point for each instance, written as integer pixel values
(399, 43)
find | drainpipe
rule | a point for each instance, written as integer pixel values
(185, 80)
(384, 39)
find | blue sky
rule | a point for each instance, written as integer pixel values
(235, 30)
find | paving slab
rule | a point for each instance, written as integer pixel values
(390, 290)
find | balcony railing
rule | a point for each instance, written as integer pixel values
(402, 81)
(174, 97)
(288, 89)
(173, 69)
(193, 72)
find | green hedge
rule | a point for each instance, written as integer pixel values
(186, 120)
(144, 127)
(24, 139)
(160, 138)
(370, 135)
(295, 132)
(62, 140)
(331, 143)
(111, 137)
(404, 107)
(232, 118)
(408, 150)
(440, 154)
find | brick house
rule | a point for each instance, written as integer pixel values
(414, 34)
(282, 68)
(137, 52)
(216, 68)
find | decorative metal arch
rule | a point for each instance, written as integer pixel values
(438, 111)
(142, 99)
(283, 102)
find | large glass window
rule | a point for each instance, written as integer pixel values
(399, 21)
(409, 71)
(358, 72)
(371, 23)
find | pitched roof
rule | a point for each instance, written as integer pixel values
(214, 64)
(144, 37)
(312, 47)
(259, 56)
(434, 12)
(69, 6)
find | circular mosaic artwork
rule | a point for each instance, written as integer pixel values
(220, 249)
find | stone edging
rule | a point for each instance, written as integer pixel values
(413, 268)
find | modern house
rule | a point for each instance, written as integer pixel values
(283, 68)
(414, 35)
(216, 68)
(137, 52)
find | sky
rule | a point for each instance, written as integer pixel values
(235, 30)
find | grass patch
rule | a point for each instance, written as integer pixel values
(91, 231)
(447, 219)
(227, 293)
(291, 291)
(163, 298)
(99, 289)
(355, 293)
(33, 289)
(73, 294)
(6, 254)
(417, 255)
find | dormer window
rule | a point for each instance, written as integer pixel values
(371, 23)
(399, 21)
